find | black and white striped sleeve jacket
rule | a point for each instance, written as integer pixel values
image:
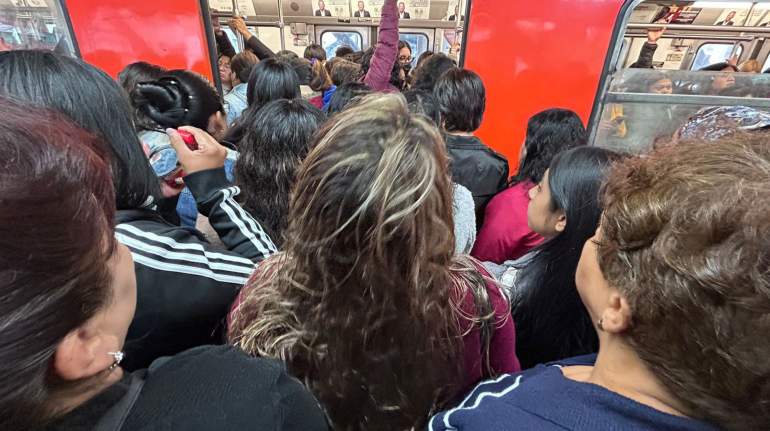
(185, 286)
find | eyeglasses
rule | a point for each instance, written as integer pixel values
(663, 87)
(404, 58)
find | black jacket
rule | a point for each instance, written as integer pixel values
(185, 286)
(478, 168)
(366, 14)
(208, 388)
(325, 12)
(253, 44)
(645, 56)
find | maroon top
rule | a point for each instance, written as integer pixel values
(505, 234)
(502, 347)
(386, 52)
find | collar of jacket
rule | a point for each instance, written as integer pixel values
(131, 215)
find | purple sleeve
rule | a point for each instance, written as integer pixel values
(386, 52)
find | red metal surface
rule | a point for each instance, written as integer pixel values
(114, 33)
(534, 55)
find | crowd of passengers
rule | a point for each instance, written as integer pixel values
(342, 253)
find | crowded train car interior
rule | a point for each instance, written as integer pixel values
(384, 215)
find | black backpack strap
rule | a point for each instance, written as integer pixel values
(115, 417)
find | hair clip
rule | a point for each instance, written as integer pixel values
(312, 61)
(186, 110)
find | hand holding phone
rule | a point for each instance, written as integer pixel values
(199, 153)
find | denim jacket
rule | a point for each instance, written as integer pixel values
(235, 102)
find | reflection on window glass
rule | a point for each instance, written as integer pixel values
(417, 41)
(634, 126)
(331, 40)
(34, 24)
(712, 53)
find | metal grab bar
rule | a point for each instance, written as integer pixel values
(686, 99)
(720, 29)
(697, 37)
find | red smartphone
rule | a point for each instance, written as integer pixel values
(188, 139)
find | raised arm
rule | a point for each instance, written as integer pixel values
(378, 76)
(252, 42)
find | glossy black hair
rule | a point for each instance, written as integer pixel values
(425, 104)
(271, 80)
(549, 132)
(343, 50)
(316, 51)
(344, 94)
(422, 58)
(395, 71)
(718, 67)
(430, 70)
(403, 44)
(275, 143)
(95, 102)
(180, 98)
(462, 99)
(551, 321)
(286, 55)
(303, 69)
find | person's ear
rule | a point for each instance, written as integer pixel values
(561, 223)
(82, 353)
(616, 318)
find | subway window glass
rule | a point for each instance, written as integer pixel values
(418, 42)
(681, 67)
(331, 40)
(34, 24)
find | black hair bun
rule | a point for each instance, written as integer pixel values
(165, 101)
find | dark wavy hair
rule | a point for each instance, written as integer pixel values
(425, 104)
(286, 55)
(549, 132)
(276, 141)
(133, 75)
(684, 241)
(271, 80)
(345, 71)
(242, 64)
(545, 284)
(95, 102)
(343, 50)
(427, 73)
(57, 214)
(180, 98)
(346, 94)
(364, 299)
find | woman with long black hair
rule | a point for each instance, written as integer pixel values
(550, 319)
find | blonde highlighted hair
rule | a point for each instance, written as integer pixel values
(364, 303)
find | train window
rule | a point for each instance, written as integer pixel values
(331, 40)
(712, 53)
(34, 24)
(659, 90)
(417, 41)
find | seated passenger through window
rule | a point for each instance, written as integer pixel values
(506, 235)
(719, 81)
(462, 100)
(677, 284)
(564, 209)
(69, 294)
(636, 121)
(185, 285)
(368, 304)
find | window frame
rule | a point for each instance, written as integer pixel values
(356, 32)
(604, 97)
(427, 43)
(739, 50)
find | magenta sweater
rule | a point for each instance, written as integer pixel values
(386, 52)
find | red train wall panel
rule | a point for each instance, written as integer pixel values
(114, 33)
(534, 55)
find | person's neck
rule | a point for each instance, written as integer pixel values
(620, 370)
(460, 133)
(67, 404)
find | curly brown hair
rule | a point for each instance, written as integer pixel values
(364, 303)
(685, 240)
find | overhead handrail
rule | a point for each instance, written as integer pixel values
(719, 29)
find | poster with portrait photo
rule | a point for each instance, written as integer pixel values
(414, 9)
(331, 8)
(455, 8)
(732, 17)
(763, 21)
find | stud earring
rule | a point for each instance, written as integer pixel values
(118, 358)
(600, 324)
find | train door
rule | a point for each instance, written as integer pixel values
(419, 40)
(331, 37)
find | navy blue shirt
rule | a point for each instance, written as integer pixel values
(542, 399)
